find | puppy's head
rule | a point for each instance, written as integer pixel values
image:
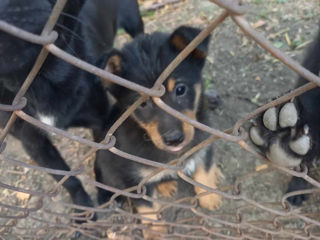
(142, 61)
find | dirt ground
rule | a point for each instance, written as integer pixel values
(244, 75)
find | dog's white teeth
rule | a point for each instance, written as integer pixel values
(306, 129)
(288, 115)
(301, 145)
(270, 119)
(278, 155)
(255, 136)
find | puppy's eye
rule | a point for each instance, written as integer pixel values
(144, 104)
(181, 90)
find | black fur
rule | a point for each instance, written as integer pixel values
(100, 26)
(308, 104)
(72, 96)
(130, 21)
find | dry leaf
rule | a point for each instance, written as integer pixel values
(245, 41)
(288, 39)
(258, 24)
(210, 59)
(22, 196)
(261, 167)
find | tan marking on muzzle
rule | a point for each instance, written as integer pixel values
(153, 132)
(171, 84)
(187, 128)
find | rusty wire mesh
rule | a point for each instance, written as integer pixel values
(277, 217)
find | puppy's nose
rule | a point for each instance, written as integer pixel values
(173, 138)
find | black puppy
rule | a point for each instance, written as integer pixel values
(152, 133)
(289, 135)
(102, 18)
(61, 95)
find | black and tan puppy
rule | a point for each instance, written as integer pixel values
(289, 135)
(152, 133)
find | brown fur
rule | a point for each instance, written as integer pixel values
(168, 188)
(198, 54)
(152, 230)
(180, 43)
(210, 178)
(114, 64)
(152, 130)
(171, 84)
(188, 129)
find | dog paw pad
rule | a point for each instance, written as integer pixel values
(270, 119)
(288, 115)
(279, 156)
(255, 136)
(301, 145)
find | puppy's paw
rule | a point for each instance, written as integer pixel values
(210, 178)
(83, 199)
(279, 134)
(211, 201)
(168, 188)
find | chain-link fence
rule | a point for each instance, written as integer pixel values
(277, 220)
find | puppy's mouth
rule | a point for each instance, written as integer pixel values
(174, 147)
(177, 148)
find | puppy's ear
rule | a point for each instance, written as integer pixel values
(183, 35)
(114, 62)
(111, 62)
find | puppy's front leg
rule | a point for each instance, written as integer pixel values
(210, 177)
(42, 151)
(151, 229)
